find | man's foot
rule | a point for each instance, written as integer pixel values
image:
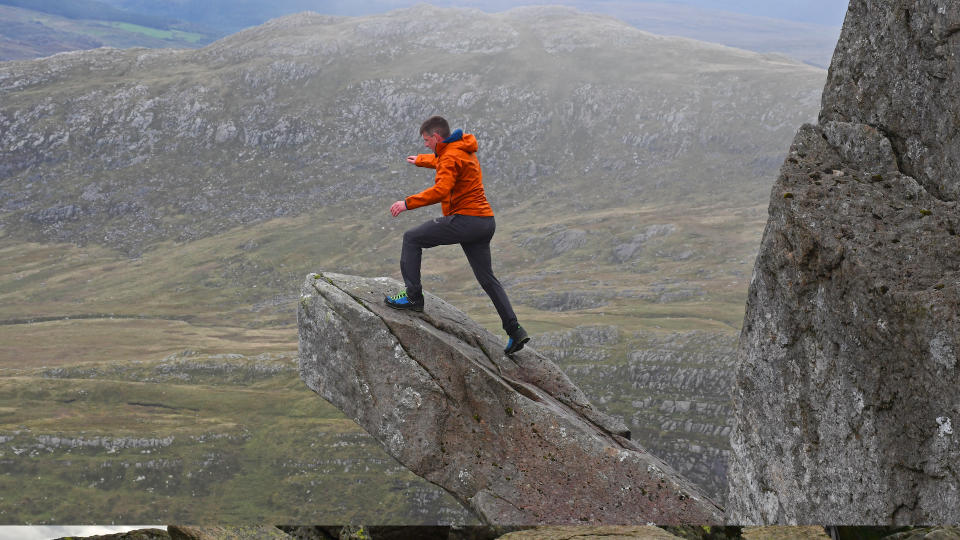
(518, 338)
(401, 301)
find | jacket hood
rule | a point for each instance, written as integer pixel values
(458, 139)
(455, 136)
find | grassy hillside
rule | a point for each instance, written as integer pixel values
(192, 438)
(197, 341)
(159, 209)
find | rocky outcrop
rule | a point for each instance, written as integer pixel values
(139, 534)
(895, 69)
(511, 438)
(570, 532)
(846, 403)
(248, 532)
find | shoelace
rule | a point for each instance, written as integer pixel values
(403, 294)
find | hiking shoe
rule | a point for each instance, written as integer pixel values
(517, 340)
(402, 301)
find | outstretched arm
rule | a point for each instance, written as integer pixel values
(424, 160)
(401, 206)
(443, 184)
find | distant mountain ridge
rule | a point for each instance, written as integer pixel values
(260, 124)
(802, 32)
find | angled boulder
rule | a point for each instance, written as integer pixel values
(511, 438)
(846, 405)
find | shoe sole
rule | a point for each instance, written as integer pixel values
(418, 309)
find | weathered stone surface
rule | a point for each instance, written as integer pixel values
(247, 532)
(512, 439)
(572, 532)
(780, 532)
(927, 533)
(139, 534)
(896, 68)
(846, 402)
(396, 532)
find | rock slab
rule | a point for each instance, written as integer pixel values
(846, 403)
(510, 438)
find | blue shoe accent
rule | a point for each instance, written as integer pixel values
(402, 301)
(517, 340)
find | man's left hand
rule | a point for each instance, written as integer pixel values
(399, 206)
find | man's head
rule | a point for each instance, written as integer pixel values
(433, 131)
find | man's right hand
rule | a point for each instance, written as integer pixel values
(412, 160)
(397, 208)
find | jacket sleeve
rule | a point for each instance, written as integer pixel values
(442, 185)
(426, 160)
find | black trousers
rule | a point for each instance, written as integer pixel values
(473, 233)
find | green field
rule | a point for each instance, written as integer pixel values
(173, 35)
(28, 33)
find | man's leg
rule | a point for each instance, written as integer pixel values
(435, 232)
(478, 254)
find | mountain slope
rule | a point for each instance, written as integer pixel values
(805, 31)
(310, 111)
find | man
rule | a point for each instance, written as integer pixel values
(467, 220)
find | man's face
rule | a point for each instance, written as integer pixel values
(430, 140)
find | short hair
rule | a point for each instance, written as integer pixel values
(435, 124)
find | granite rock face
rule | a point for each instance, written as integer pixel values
(846, 402)
(243, 532)
(897, 68)
(511, 438)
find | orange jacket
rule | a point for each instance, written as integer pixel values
(458, 185)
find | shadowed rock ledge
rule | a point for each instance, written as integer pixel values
(512, 439)
(846, 406)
